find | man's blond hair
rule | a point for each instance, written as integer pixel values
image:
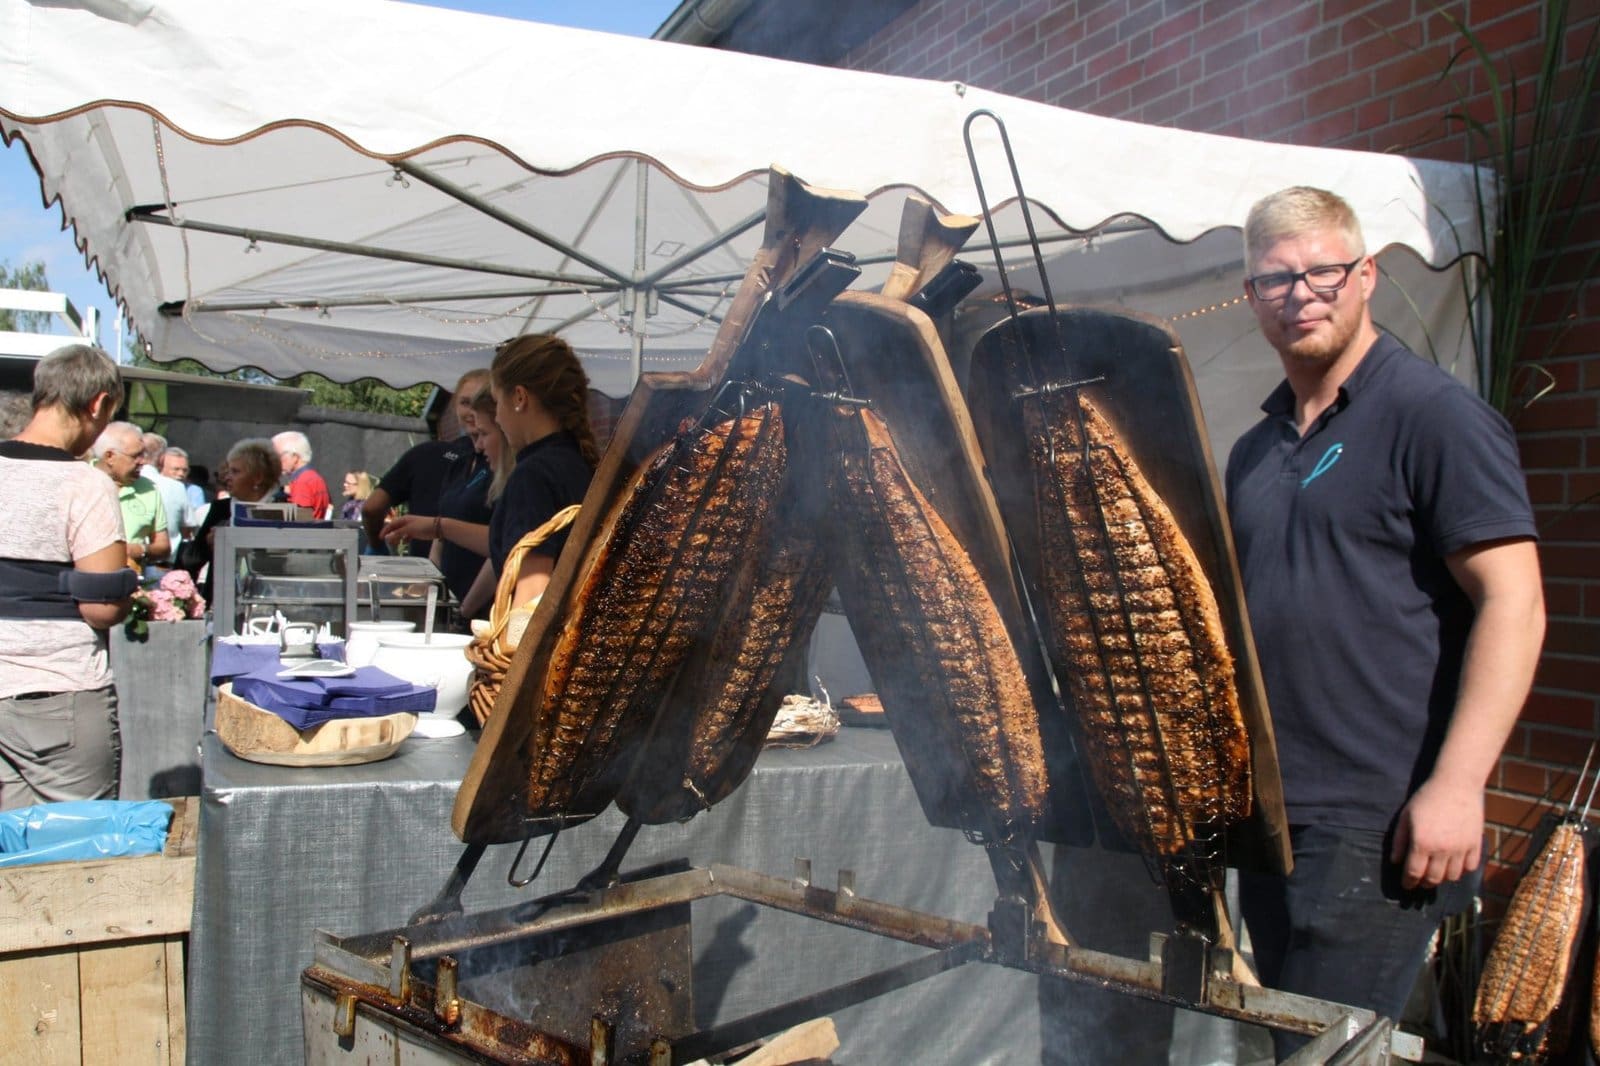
(1297, 210)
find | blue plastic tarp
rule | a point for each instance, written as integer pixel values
(82, 829)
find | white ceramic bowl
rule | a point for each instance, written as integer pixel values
(441, 664)
(362, 643)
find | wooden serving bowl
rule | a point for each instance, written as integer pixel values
(261, 736)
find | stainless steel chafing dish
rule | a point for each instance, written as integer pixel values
(395, 588)
(308, 575)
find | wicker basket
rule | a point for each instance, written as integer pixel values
(491, 650)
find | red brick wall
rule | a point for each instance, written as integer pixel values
(1347, 74)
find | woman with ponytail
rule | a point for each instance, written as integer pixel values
(535, 409)
(542, 404)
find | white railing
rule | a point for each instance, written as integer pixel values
(84, 327)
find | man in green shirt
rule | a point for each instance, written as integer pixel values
(119, 451)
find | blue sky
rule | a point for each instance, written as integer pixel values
(29, 233)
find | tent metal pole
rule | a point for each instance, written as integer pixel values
(478, 203)
(583, 233)
(177, 308)
(684, 305)
(889, 257)
(711, 245)
(148, 213)
(640, 290)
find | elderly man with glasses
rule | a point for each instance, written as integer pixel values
(119, 451)
(1387, 548)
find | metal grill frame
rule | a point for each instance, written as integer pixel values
(372, 975)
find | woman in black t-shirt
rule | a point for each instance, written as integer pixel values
(539, 398)
(542, 403)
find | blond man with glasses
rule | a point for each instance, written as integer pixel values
(1387, 548)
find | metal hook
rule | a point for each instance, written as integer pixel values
(718, 410)
(1027, 220)
(1577, 787)
(833, 380)
(1056, 386)
(511, 874)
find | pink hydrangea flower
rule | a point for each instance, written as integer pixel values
(197, 606)
(163, 608)
(178, 583)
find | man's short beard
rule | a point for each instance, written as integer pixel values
(1325, 347)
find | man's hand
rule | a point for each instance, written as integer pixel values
(1440, 832)
(1439, 836)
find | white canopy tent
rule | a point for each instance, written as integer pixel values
(371, 188)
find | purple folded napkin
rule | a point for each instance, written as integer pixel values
(307, 701)
(230, 660)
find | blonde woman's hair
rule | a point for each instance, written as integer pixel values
(473, 380)
(483, 404)
(363, 483)
(1296, 210)
(549, 369)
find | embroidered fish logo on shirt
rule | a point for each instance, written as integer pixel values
(1324, 464)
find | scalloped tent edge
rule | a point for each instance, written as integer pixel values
(420, 183)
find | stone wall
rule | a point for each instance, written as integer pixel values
(340, 440)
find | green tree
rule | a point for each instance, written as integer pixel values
(27, 276)
(367, 394)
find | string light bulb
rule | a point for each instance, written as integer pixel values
(1199, 311)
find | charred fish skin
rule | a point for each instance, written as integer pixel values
(709, 733)
(1135, 632)
(1526, 969)
(941, 659)
(695, 512)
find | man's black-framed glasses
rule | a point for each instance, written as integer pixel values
(1322, 280)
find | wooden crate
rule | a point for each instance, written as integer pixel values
(92, 955)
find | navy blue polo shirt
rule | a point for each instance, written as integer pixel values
(1342, 536)
(419, 476)
(551, 473)
(464, 497)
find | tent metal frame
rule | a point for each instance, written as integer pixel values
(637, 292)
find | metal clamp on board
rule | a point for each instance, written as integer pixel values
(825, 275)
(947, 289)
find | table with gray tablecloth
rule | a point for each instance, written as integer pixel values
(161, 693)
